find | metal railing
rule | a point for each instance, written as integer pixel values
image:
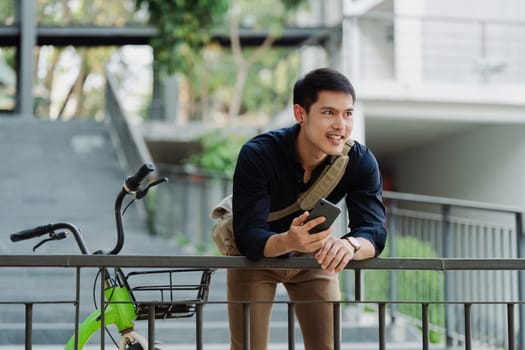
(513, 337)
(451, 228)
(131, 148)
(419, 226)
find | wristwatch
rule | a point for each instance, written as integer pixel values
(354, 243)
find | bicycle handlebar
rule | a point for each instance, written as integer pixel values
(131, 185)
(49, 229)
(32, 232)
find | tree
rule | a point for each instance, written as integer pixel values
(185, 26)
(275, 26)
(183, 44)
(53, 63)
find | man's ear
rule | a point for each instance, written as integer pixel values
(299, 113)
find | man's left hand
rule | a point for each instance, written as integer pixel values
(335, 254)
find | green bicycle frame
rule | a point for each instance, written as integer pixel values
(119, 311)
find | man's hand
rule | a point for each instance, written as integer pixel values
(297, 238)
(300, 237)
(335, 254)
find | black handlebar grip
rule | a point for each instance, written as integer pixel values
(133, 182)
(32, 232)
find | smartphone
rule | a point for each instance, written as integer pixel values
(327, 209)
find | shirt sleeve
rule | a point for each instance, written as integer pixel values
(251, 203)
(365, 204)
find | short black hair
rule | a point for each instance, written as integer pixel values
(306, 89)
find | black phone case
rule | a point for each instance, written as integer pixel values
(327, 209)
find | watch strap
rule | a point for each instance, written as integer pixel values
(354, 243)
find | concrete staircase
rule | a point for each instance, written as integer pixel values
(56, 171)
(52, 172)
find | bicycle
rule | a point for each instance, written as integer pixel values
(122, 307)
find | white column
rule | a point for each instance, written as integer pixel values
(350, 43)
(312, 57)
(25, 99)
(358, 133)
(350, 64)
(408, 40)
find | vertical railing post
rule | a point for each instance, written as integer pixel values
(246, 326)
(198, 322)
(77, 305)
(392, 276)
(468, 326)
(151, 326)
(521, 278)
(291, 326)
(186, 189)
(484, 71)
(425, 326)
(446, 234)
(29, 326)
(103, 273)
(337, 326)
(203, 205)
(382, 326)
(510, 326)
(357, 284)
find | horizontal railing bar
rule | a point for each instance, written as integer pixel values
(460, 203)
(18, 302)
(299, 302)
(361, 302)
(401, 196)
(315, 301)
(233, 262)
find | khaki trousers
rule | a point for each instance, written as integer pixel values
(315, 319)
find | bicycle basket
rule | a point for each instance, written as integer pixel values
(174, 293)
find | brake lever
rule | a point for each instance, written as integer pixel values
(53, 236)
(142, 192)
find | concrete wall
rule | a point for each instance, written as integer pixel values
(485, 163)
(500, 10)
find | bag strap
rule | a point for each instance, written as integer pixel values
(322, 187)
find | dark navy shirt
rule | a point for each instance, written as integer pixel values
(268, 177)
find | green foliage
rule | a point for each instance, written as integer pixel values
(219, 152)
(87, 12)
(150, 205)
(57, 67)
(267, 89)
(181, 240)
(183, 46)
(417, 286)
(7, 12)
(184, 27)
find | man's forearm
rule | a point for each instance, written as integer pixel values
(367, 250)
(276, 245)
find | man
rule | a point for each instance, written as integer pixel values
(272, 170)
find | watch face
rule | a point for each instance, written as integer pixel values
(355, 243)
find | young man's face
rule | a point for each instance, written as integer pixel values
(329, 122)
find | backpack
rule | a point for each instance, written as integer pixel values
(222, 231)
